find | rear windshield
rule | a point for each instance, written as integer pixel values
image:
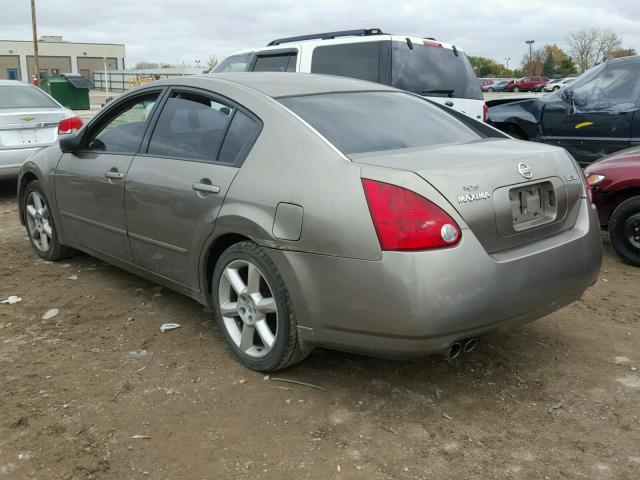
(359, 122)
(18, 96)
(433, 71)
(234, 63)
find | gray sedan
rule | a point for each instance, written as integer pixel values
(29, 120)
(312, 210)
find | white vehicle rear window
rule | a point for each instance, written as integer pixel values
(19, 96)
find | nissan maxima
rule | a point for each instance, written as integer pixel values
(310, 210)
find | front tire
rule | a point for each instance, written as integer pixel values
(624, 231)
(253, 309)
(41, 228)
(490, 89)
(516, 89)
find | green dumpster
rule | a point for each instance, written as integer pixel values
(71, 90)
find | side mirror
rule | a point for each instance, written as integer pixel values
(70, 143)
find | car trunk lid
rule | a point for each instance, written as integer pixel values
(508, 192)
(20, 128)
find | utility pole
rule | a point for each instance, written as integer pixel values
(530, 43)
(35, 39)
(506, 59)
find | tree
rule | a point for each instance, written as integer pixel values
(622, 52)
(487, 67)
(146, 65)
(549, 66)
(212, 61)
(566, 67)
(591, 46)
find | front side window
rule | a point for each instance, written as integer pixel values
(190, 126)
(355, 60)
(612, 86)
(285, 62)
(234, 63)
(360, 122)
(123, 132)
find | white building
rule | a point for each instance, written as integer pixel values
(56, 56)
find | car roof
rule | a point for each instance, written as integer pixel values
(14, 83)
(345, 40)
(283, 84)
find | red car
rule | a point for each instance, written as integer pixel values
(526, 84)
(615, 183)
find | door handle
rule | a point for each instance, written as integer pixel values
(205, 187)
(114, 175)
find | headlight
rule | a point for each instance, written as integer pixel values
(594, 179)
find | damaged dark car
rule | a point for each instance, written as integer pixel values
(597, 114)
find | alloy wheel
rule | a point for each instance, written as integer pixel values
(248, 308)
(39, 222)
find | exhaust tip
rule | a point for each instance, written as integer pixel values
(454, 350)
(470, 345)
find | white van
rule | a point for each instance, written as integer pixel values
(425, 66)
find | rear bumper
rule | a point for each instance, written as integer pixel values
(12, 159)
(420, 302)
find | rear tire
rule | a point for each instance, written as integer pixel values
(490, 89)
(259, 323)
(40, 224)
(624, 231)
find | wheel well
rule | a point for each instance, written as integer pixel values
(26, 179)
(214, 252)
(621, 196)
(513, 130)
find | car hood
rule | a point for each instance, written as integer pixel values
(507, 109)
(623, 159)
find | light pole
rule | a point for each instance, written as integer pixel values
(530, 43)
(506, 59)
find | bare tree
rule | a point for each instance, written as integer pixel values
(591, 46)
(212, 61)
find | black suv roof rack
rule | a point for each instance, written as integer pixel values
(364, 32)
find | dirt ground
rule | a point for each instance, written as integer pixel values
(97, 391)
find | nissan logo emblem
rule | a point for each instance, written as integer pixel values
(524, 170)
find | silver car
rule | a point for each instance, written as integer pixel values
(29, 120)
(312, 210)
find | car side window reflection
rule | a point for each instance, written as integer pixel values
(190, 126)
(123, 132)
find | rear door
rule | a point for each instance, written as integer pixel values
(175, 189)
(593, 116)
(90, 183)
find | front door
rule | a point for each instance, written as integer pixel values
(176, 188)
(12, 74)
(86, 73)
(90, 183)
(593, 116)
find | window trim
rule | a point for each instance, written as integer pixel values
(144, 149)
(112, 110)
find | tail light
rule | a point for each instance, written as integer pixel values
(405, 220)
(69, 125)
(485, 113)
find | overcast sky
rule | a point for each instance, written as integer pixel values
(177, 31)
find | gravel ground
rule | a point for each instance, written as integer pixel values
(97, 391)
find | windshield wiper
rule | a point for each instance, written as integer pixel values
(448, 92)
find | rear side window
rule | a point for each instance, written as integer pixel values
(285, 62)
(190, 126)
(239, 139)
(359, 122)
(234, 63)
(356, 60)
(433, 71)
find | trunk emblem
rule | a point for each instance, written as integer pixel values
(472, 197)
(27, 118)
(524, 170)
